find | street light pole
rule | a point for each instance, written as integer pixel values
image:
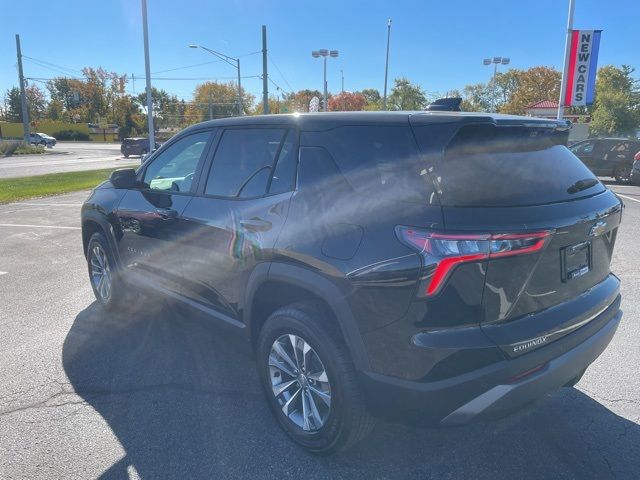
(567, 47)
(324, 53)
(496, 61)
(147, 69)
(386, 66)
(324, 104)
(234, 62)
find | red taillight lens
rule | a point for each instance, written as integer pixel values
(442, 252)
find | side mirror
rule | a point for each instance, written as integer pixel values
(123, 178)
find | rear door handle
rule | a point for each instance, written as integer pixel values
(256, 225)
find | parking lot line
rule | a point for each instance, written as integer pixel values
(3, 273)
(31, 204)
(38, 226)
(629, 198)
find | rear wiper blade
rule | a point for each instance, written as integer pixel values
(582, 185)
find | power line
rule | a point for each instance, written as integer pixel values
(50, 64)
(278, 86)
(280, 72)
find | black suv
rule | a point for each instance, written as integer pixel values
(608, 157)
(441, 266)
(135, 146)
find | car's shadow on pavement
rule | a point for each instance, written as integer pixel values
(184, 402)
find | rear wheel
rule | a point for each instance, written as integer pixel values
(310, 381)
(103, 273)
(622, 173)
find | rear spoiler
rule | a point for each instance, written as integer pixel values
(449, 104)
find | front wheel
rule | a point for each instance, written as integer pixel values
(103, 273)
(622, 173)
(310, 381)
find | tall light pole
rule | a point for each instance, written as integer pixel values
(234, 62)
(147, 70)
(23, 94)
(324, 53)
(567, 48)
(495, 61)
(386, 66)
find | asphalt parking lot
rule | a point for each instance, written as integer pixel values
(66, 157)
(156, 394)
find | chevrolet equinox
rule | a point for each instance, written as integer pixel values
(443, 266)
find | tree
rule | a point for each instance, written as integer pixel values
(521, 88)
(299, 101)
(217, 100)
(347, 102)
(617, 102)
(12, 105)
(36, 104)
(407, 96)
(477, 98)
(373, 98)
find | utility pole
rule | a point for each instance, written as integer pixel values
(240, 106)
(265, 76)
(23, 94)
(386, 66)
(147, 69)
(567, 47)
(210, 107)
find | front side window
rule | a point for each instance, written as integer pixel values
(243, 162)
(174, 168)
(586, 147)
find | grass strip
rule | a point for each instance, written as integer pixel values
(22, 188)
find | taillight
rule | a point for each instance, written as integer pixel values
(442, 252)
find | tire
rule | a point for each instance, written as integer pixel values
(100, 258)
(126, 155)
(622, 173)
(330, 427)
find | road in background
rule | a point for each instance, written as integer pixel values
(66, 157)
(156, 393)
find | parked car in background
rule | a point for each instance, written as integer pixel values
(608, 157)
(42, 139)
(136, 146)
(442, 265)
(635, 169)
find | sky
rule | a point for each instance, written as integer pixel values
(437, 44)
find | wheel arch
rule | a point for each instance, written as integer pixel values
(93, 222)
(275, 285)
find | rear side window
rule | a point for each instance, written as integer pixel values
(377, 160)
(243, 162)
(488, 166)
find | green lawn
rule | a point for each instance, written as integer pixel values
(14, 189)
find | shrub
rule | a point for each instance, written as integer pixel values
(19, 148)
(72, 135)
(7, 148)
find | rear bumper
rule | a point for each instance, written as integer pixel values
(499, 388)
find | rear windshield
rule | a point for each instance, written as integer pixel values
(377, 160)
(490, 166)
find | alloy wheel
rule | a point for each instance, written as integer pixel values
(299, 382)
(100, 272)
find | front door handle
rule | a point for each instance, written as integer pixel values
(256, 225)
(166, 213)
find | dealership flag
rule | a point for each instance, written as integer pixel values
(581, 67)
